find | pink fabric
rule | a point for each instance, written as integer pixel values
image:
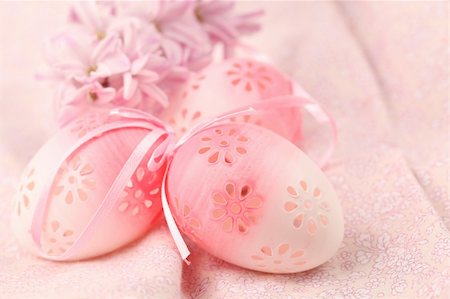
(382, 71)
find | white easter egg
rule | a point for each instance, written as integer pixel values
(252, 198)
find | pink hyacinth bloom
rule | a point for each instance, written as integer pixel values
(137, 37)
(73, 56)
(94, 17)
(174, 20)
(222, 23)
(177, 23)
(141, 82)
(136, 54)
(141, 44)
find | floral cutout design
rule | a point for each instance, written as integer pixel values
(308, 206)
(185, 121)
(250, 75)
(189, 222)
(248, 119)
(75, 180)
(224, 144)
(25, 191)
(87, 123)
(236, 207)
(56, 239)
(193, 85)
(283, 258)
(135, 199)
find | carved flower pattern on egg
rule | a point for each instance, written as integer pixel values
(308, 207)
(194, 84)
(235, 207)
(282, 259)
(55, 239)
(135, 199)
(250, 75)
(185, 121)
(87, 123)
(25, 191)
(189, 222)
(224, 145)
(75, 180)
(248, 119)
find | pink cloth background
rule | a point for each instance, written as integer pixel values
(381, 68)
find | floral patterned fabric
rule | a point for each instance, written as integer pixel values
(381, 68)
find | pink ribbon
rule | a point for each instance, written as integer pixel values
(131, 119)
(161, 153)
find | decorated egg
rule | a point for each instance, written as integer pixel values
(228, 85)
(89, 191)
(252, 198)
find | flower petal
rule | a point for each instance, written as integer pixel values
(69, 197)
(283, 248)
(298, 221)
(251, 217)
(253, 203)
(317, 192)
(130, 86)
(228, 158)
(86, 169)
(312, 227)
(291, 190)
(257, 257)
(123, 206)
(241, 150)
(106, 46)
(195, 223)
(323, 220)
(138, 64)
(242, 227)
(213, 158)
(297, 254)
(304, 185)
(219, 199)
(82, 194)
(186, 211)
(267, 250)
(228, 225)
(218, 213)
(290, 206)
(112, 65)
(230, 189)
(203, 150)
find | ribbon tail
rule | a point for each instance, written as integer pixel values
(174, 231)
(323, 116)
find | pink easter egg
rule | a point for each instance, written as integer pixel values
(229, 85)
(81, 183)
(252, 198)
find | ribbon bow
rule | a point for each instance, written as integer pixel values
(162, 139)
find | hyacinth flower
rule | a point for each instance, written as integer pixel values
(136, 54)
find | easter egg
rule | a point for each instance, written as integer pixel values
(252, 198)
(77, 212)
(229, 85)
